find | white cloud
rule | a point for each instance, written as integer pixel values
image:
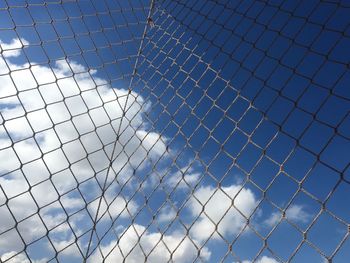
(67, 247)
(294, 213)
(116, 206)
(263, 259)
(21, 206)
(167, 214)
(56, 106)
(218, 210)
(12, 257)
(133, 145)
(136, 241)
(185, 178)
(266, 259)
(219, 207)
(13, 48)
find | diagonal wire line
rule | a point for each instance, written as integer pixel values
(118, 132)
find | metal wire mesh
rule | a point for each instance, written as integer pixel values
(174, 131)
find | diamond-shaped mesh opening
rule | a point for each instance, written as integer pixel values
(174, 131)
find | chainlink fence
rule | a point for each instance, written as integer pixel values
(174, 131)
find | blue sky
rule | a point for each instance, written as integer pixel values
(236, 110)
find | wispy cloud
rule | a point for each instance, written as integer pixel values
(295, 213)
